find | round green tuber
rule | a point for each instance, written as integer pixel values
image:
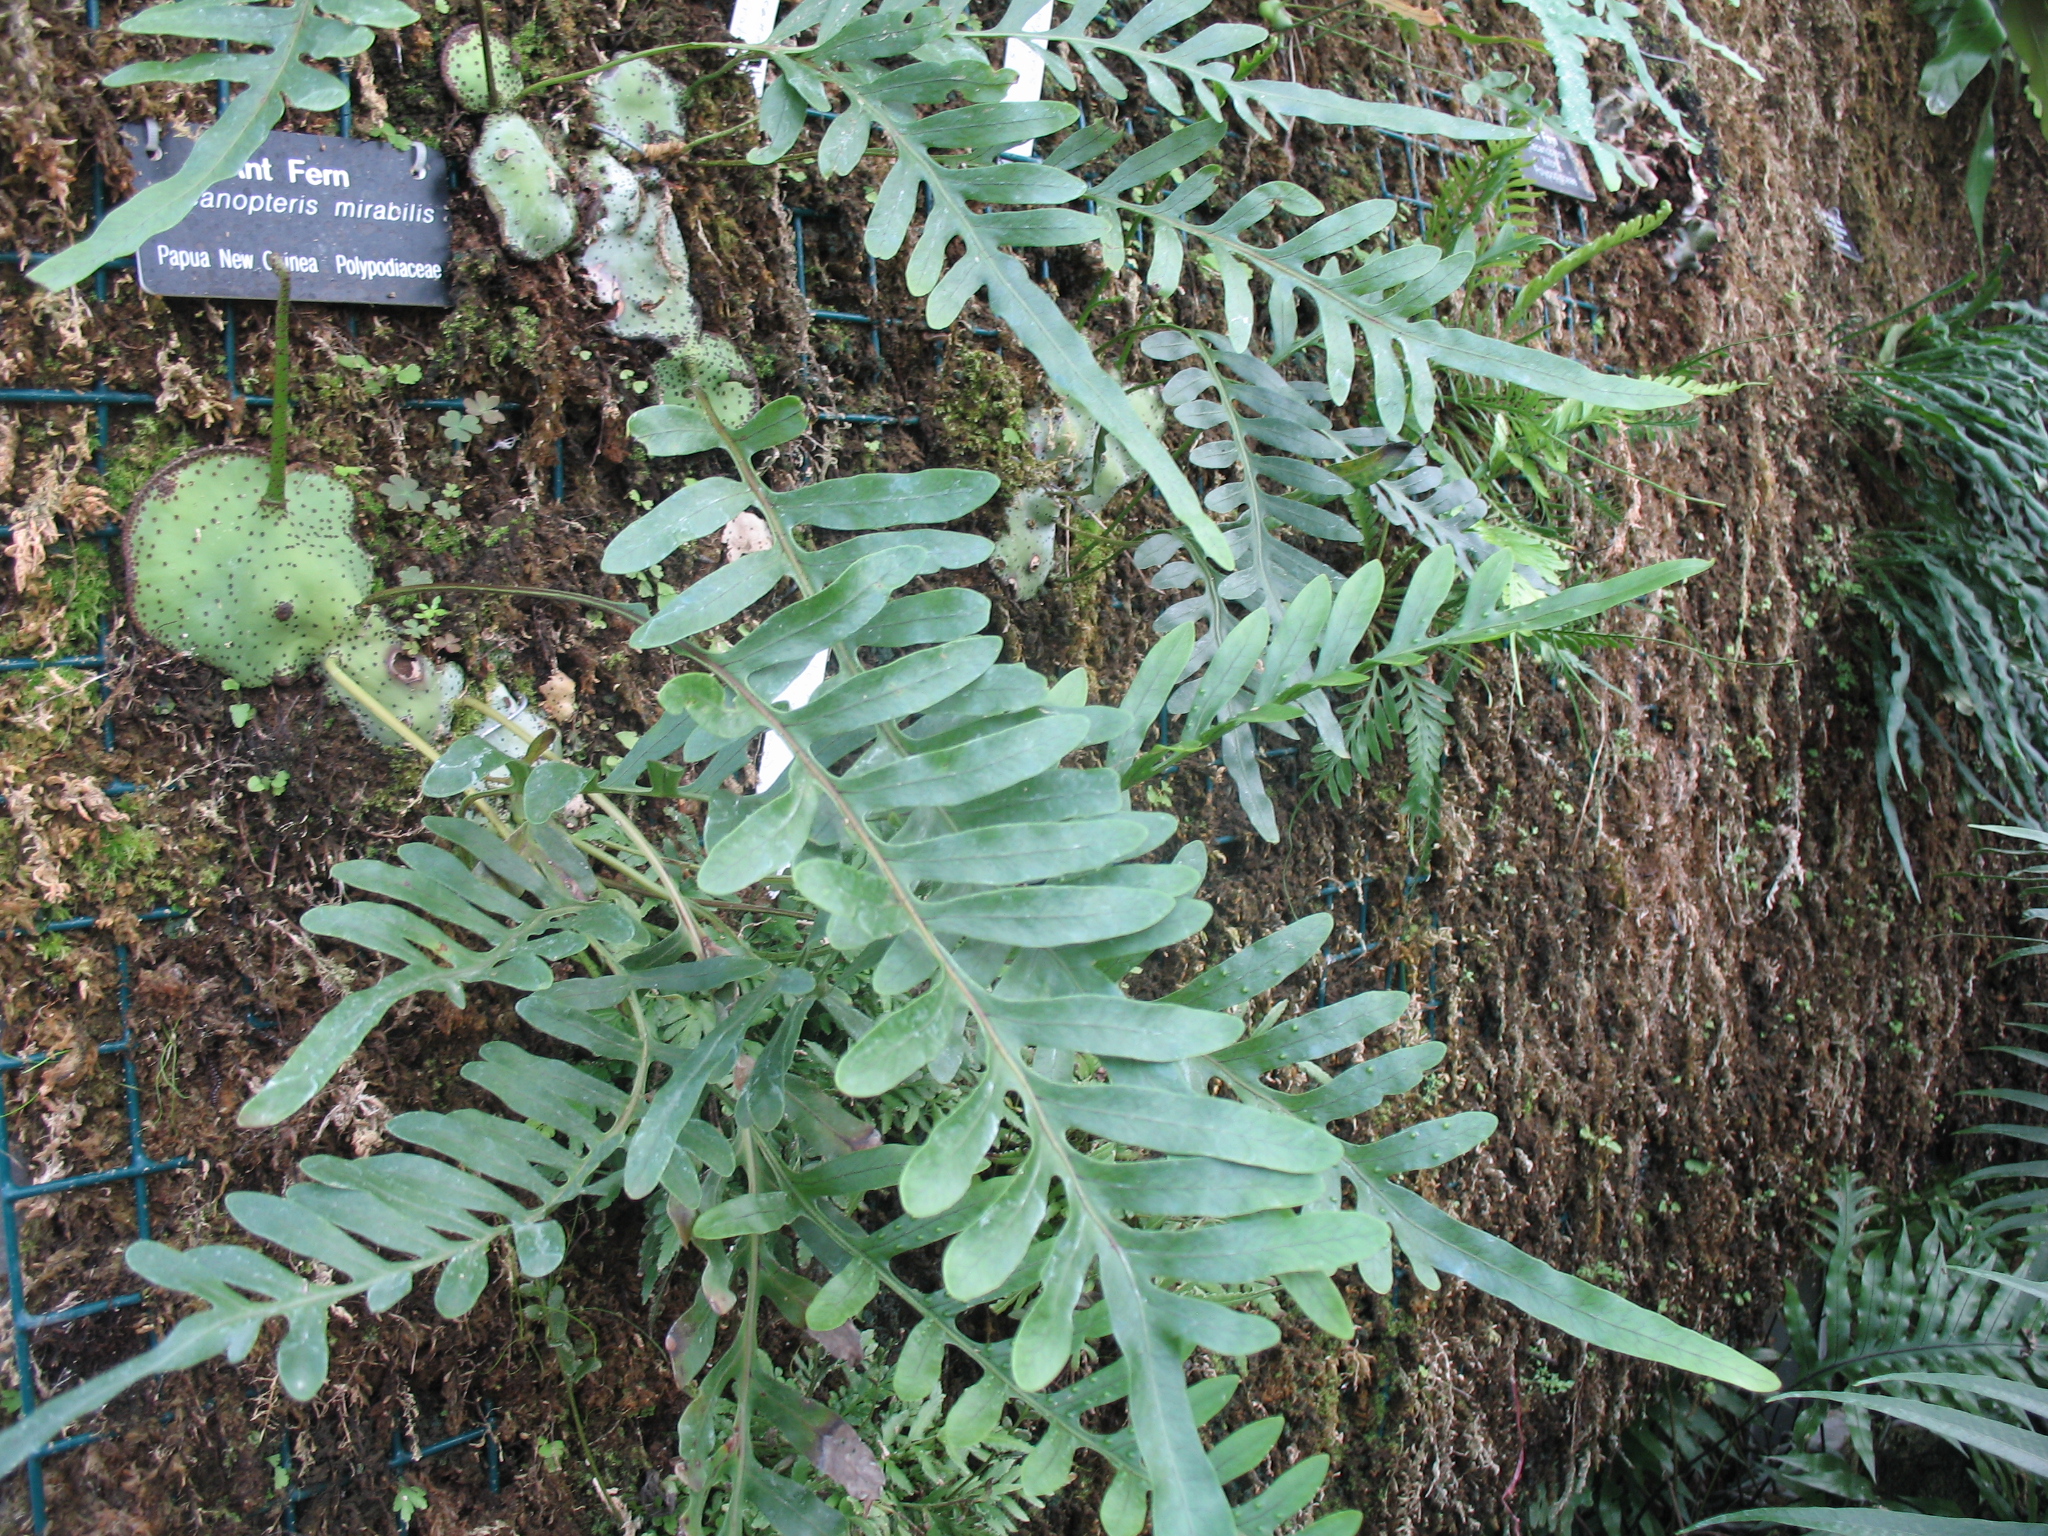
(418, 694)
(1024, 554)
(637, 104)
(259, 593)
(525, 185)
(469, 81)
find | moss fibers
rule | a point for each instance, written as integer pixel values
(978, 414)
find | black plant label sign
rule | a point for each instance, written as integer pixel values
(1553, 164)
(355, 221)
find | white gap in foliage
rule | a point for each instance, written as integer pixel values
(1030, 67)
(775, 758)
(512, 740)
(752, 22)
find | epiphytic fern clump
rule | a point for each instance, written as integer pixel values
(973, 896)
(959, 879)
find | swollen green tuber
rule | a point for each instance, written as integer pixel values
(259, 593)
(525, 185)
(471, 73)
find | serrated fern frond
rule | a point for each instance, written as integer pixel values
(1934, 1324)
(1278, 459)
(1958, 587)
(1084, 1177)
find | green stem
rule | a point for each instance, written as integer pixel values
(743, 1389)
(666, 890)
(698, 84)
(655, 862)
(402, 731)
(471, 701)
(850, 1234)
(625, 58)
(576, 1419)
(280, 388)
(377, 711)
(483, 32)
(552, 594)
(722, 133)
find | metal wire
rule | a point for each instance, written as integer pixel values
(135, 1171)
(15, 1186)
(294, 1493)
(1395, 975)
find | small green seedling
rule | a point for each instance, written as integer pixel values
(240, 715)
(425, 620)
(269, 784)
(402, 493)
(376, 376)
(551, 1452)
(410, 1500)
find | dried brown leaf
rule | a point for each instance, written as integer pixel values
(845, 1458)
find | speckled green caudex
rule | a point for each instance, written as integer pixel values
(1088, 472)
(261, 596)
(636, 259)
(715, 365)
(1091, 469)
(469, 80)
(525, 185)
(637, 105)
(638, 263)
(1024, 554)
(420, 695)
(634, 253)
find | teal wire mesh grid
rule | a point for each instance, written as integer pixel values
(17, 1185)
